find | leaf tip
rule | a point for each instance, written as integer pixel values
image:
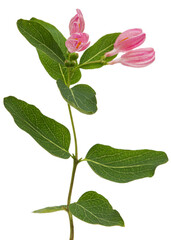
(6, 99)
(122, 223)
(32, 19)
(35, 211)
(165, 157)
(19, 21)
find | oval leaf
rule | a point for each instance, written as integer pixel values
(95, 209)
(40, 38)
(56, 34)
(56, 70)
(51, 135)
(51, 209)
(124, 165)
(97, 51)
(82, 97)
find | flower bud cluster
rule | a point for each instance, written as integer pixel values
(71, 59)
(69, 63)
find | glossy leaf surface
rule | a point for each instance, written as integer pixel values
(51, 135)
(95, 209)
(124, 165)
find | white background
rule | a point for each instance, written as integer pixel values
(133, 113)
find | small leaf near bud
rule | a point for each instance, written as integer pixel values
(74, 56)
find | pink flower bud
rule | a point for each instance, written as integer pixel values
(77, 23)
(77, 42)
(127, 40)
(136, 58)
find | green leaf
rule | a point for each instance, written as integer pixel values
(97, 51)
(56, 70)
(51, 135)
(82, 97)
(124, 165)
(51, 209)
(56, 34)
(40, 38)
(95, 209)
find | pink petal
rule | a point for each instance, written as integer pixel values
(69, 46)
(118, 60)
(77, 23)
(79, 12)
(83, 47)
(81, 20)
(77, 42)
(127, 41)
(72, 22)
(130, 43)
(128, 33)
(140, 64)
(73, 28)
(139, 53)
(111, 53)
(84, 37)
(138, 58)
(75, 35)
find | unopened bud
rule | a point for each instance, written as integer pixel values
(74, 56)
(67, 63)
(67, 53)
(73, 63)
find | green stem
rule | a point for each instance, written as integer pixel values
(69, 200)
(73, 128)
(75, 163)
(84, 64)
(69, 76)
(72, 181)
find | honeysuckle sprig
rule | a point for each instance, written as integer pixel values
(60, 59)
